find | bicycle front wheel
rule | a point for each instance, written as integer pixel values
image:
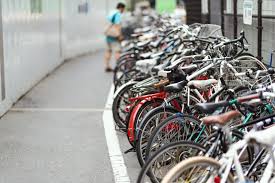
(166, 158)
(195, 169)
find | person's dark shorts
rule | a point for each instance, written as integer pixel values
(114, 46)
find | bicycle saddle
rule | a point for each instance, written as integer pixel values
(145, 55)
(136, 35)
(146, 62)
(156, 43)
(128, 49)
(187, 52)
(265, 137)
(146, 65)
(142, 30)
(128, 54)
(157, 55)
(209, 108)
(202, 84)
(176, 87)
(189, 69)
(142, 44)
(160, 67)
(221, 119)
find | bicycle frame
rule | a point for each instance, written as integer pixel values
(244, 124)
(231, 158)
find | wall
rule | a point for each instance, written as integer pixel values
(39, 34)
(82, 31)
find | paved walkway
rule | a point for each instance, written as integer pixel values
(55, 133)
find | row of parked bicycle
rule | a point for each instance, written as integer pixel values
(195, 106)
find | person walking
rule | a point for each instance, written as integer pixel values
(113, 36)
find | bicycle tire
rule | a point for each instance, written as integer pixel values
(147, 168)
(169, 124)
(165, 109)
(186, 164)
(120, 122)
(124, 78)
(119, 68)
(168, 110)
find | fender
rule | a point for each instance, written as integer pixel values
(160, 95)
(131, 127)
(131, 124)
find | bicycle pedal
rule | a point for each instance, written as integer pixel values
(130, 150)
(122, 130)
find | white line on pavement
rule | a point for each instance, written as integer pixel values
(38, 109)
(116, 157)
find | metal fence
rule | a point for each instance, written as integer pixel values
(228, 14)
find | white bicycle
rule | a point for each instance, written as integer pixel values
(206, 169)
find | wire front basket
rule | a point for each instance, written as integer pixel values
(210, 30)
(145, 85)
(233, 82)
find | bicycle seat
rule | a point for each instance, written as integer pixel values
(128, 48)
(221, 119)
(160, 67)
(136, 35)
(187, 52)
(146, 63)
(126, 53)
(163, 73)
(142, 44)
(190, 68)
(156, 43)
(145, 55)
(202, 84)
(209, 108)
(176, 87)
(142, 30)
(156, 55)
(265, 137)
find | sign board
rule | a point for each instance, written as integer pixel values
(83, 8)
(247, 12)
(166, 6)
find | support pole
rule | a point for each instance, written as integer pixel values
(260, 29)
(133, 3)
(235, 18)
(2, 61)
(209, 11)
(222, 16)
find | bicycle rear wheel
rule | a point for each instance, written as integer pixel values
(124, 78)
(119, 105)
(175, 128)
(156, 117)
(148, 124)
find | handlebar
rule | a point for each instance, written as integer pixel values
(241, 40)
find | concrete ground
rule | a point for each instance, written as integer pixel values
(55, 134)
